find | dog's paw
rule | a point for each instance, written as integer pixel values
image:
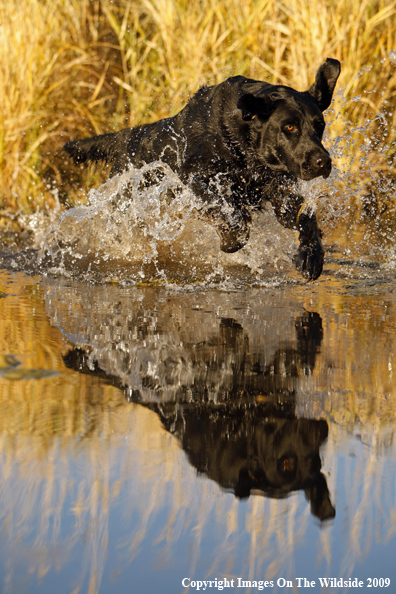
(232, 242)
(309, 260)
(234, 236)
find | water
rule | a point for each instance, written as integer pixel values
(169, 412)
(150, 435)
(145, 226)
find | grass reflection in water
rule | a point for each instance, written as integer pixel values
(238, 388)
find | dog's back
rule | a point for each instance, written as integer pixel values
(115, 147)
(169, 139)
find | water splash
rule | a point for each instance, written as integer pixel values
(355, 205)
(145, 225)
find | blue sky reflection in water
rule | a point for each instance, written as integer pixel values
(228, 392)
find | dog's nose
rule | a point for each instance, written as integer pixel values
(317, 163)
(323, 163)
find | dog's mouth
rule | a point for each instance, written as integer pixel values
(326, 173)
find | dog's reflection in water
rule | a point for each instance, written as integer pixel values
(249, 450)
(250, 440)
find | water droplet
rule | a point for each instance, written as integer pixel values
(392, 56)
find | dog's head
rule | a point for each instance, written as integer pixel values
(284, 128)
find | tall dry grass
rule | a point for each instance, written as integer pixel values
(72, 68)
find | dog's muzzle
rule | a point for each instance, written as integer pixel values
(323, 165)
(317, 164)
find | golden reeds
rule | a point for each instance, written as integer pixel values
(73, 68)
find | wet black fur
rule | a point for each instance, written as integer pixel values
(237, 145)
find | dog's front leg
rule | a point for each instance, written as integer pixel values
(230, 219)
(310, 253)
(292, 213)
(232, 225)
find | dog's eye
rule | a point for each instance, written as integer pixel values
(290, 128)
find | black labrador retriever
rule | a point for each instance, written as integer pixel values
(237, 145)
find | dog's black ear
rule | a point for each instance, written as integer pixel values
(318, 494)
(251, 105)
(325, 81)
